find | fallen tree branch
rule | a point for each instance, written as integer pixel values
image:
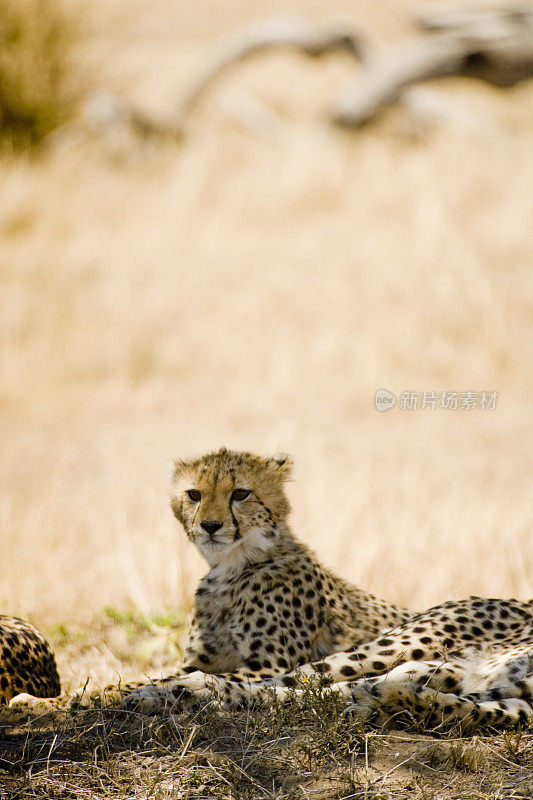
(106, 111)
(493, 46)
(294, 32)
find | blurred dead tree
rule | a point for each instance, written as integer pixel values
(493, 44)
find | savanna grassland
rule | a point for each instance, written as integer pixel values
(252, 286)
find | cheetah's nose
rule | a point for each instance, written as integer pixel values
(211, 526)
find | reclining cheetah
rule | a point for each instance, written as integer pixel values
(27, 663)
(268, 615)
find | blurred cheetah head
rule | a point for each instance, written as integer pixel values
(232, 505)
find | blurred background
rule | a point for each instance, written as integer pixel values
(252, 286)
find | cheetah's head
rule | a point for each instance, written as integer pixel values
(232, 505)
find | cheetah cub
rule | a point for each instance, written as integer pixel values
(266, 605)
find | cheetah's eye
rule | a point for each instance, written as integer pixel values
(194, 495)
(240, 494)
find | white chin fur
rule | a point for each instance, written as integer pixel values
(232, 556)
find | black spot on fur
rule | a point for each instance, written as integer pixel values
(348, 671)
(321, 667)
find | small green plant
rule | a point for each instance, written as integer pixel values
(466, 757)
(331, 733)
(165, 628)
(136, 622)
(39, 86)
(513, 744)
(63, 633)
(60, 633)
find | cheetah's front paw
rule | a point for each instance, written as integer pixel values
(364, 701)
(25, 706)
(150, 699)
(172, 694)
(153, 699)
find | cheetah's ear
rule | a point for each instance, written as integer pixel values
(175, 466)
(282, 464)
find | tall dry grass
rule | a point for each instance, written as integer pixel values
(254, 288)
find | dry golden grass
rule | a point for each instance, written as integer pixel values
(253, 288)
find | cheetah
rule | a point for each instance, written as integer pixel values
(27, 663)
(267, 605)
(268, 616)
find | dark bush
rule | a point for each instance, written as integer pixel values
(39, 85)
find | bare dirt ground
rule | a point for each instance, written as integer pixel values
(253, 287)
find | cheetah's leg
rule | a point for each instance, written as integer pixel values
(433, 707)
(232, 690)
(439, 675)
(240, 687)
(367, 694)
(431, 691)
